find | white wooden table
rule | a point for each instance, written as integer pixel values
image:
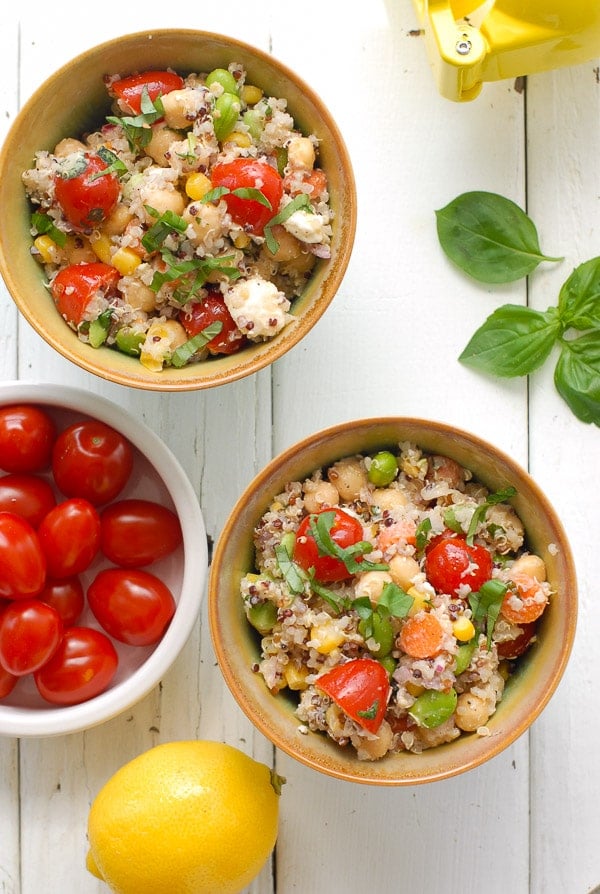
(528, 821)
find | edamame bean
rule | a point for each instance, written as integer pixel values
(432, 708)
(129, 342)
(254, 122)
(224, 78)
(463, 657)
(380, 629)
(225, 115)
(262, 616)
(383, 468)
(388, 663)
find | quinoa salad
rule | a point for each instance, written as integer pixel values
(187, 224)
(393, 596)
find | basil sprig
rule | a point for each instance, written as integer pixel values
(166, 223)
(187, 350)
(190, 274)
(485, 606)
(320, 527)
(481, 511)
(137, 128)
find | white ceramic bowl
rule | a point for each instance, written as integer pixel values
(156, 476)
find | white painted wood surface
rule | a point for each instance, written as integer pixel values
(528, 821)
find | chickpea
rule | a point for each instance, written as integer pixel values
(318, 494)
(389, 498)
(206, 221)
(301, 153)
(163, 200)
(349, 476)
(78, 250)
(178, 113)
(530, 565)
(471, 712)
(68, 146)
(116, 223)
(161, 141)
(402, 570)
(288, 247)
(373, 749)
(300, 265)
(137, 294)
(371, 584)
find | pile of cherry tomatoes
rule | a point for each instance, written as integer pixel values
(61, 516)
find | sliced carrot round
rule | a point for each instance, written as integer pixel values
(525, 602)
(422, 636)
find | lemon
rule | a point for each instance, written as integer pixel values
(190, 817)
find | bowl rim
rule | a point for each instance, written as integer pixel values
(255, 357)
(61, 720)
(490, 746)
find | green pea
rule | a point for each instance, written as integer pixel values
(129, 342)
(463, 656)
(432, 708)
(388, 663)
(262, 616)
(225, 115)
(383, 468)
(224, 78)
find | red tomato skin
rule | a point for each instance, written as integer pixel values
(75, 287)
(92, 461)
(359, 687)
(30, 632)
(132, 605)
(82, 667)
(67, 597)
(210, 310)
(135, 533)
(448, 560)
(511, 649)
(86, 200)
(7, 682)
(22, 561)
(243, 173)
(345, 531)
(28, 496)
(129, 90)
(27, 435)
(70, 537)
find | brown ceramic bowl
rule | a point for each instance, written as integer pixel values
(74, 100)
(237, 647)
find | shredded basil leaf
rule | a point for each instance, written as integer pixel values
(422, 534)
(299, 202)
(371, 712)
(481, 511)
(45, 226)
(168, 222)
(292, 574)
(137, 128)
(113, 162)
(186, 351)
(395, 600)
(336, 602)
(193, 273)
(486, 605)
(451, 521)
(320, 528)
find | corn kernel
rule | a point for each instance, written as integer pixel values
(414, 689)
(101, 246)
(463, 629)
(241, 240)
(125, 260)
(197, 185)
(295, 677)
(421, 601)
(250, 94)
(276, 506)
(47, 249)
(326, 637)
(243, 140)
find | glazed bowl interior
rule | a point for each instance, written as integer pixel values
(237, 645)
(156, 476)
(74, 100)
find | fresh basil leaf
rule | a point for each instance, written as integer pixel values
(489, 237)
(193, 273)
(579, 298)
(187, 350)
(394, 600)
(513, 341)
(213, 195)
(137, 128)
(363, 607)
(422, 534)
(481, 511)
(371, 712)
(45, 226)
(336, 602)
(252, 195)
(486, 605)
(577, 376)
(113, 162)
(451, 521)
(299, 202)
(320, 528)
(168, 222)
(292, 573)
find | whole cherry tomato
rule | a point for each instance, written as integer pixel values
(66, 596)
(210, 310)
(75, 287)
(361, 688)
(82, 667)
(29, 496)
(22, 561)
(30, 632)
(138, 532)
(132, 605)
(452, 562)
(244, 173)
(91, 460)
(345, 531)
(510, 649)
(7, 682)
(26, 437)
(129, 90)
(70, 537)
(85, 192)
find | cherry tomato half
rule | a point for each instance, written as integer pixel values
(132, 605)
(26, 437)
(93, 461)
(66, 596)
(30, 632)
(70, 537)
(22, 561)
(361, 688)
(210, 310)
(85, 198)
(129, 90)
(511, 649)
(345, 531)
(82, 667)
(29, 496)
(243, 173)
(452, 563)
(75, 287)
(138, 532)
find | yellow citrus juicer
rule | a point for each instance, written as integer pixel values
(470, 42)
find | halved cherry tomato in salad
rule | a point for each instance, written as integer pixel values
(30, 631)
(133, 606)
(510, 649)
(129, 90)
(213, 309)
(361, 688)
(22, 561)
(82, 667)
(66, 596)
(29, 496)
(86, 195)
(345, 531)
(452, 563)
(138, 532)
(27, 434)
(91, 460)
(244, 173)
(70, 537)
(75, 287)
